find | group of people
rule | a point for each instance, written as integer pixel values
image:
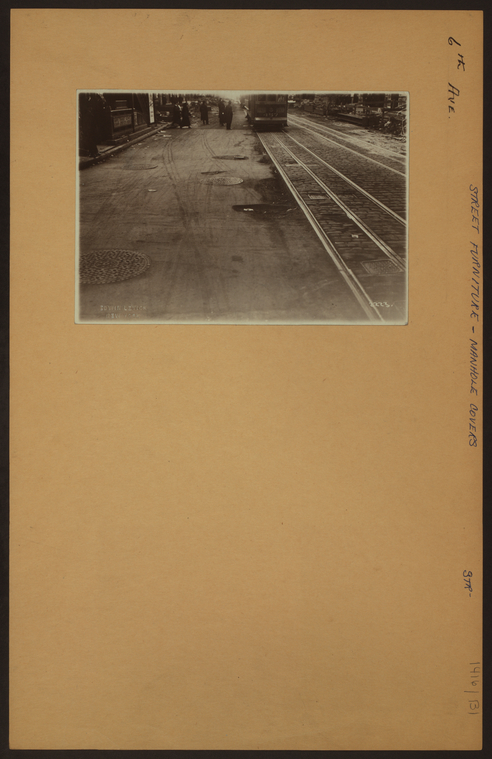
(182, 117)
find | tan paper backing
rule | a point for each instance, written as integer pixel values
(244, 537)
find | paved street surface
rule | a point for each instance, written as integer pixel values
(356, 195)
(211, 259)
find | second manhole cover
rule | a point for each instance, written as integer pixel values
(232, 157)
(223, 180)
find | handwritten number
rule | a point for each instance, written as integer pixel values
(451, 40)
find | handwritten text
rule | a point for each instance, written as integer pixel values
(452, 90)
(474, 703)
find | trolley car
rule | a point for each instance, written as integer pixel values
(266, 110)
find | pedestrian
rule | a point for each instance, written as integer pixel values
(176, 116)
(221, 112)
(228, 114)
(185, 116)
(204, 112)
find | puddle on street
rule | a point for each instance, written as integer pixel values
(223, 180)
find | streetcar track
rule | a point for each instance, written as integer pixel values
(368, 195)
(362, 297)
(351, 138)
(357, 152)
(382, 245)
(348, 138)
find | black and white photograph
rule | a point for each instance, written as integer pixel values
(252, 208)
(246, 357)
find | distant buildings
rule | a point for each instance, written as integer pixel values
(106, 117)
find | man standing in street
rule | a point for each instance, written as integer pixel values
(221, 112)
(176, 116)
(204, 112)
(228, 114)
(185, 116)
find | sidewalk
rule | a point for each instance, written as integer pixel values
(105, 151)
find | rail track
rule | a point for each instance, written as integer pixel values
(357, 207)
(386, 156)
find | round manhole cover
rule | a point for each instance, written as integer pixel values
(100, 267)
(232, 157)
(223, 180)
(140, 167)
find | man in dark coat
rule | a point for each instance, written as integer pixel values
(176, 115)
(204, 113)
(185, 116)
(228, 114)
(221, 112)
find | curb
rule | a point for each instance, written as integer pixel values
(118, 148)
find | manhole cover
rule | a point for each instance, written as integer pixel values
(100, 267)
(264, 208)
(380, 267)
(232, 157)
(223, 180)
(140, 167)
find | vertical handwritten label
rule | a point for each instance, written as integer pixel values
(472, 695)
(475, 298)
(472, 426)
(453, 91)
(475, 283)
(475, 208)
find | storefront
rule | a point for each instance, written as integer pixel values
(129, 112)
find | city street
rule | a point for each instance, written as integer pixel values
(223, 237)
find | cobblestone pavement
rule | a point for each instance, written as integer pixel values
(359, 204)
(372, 139)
